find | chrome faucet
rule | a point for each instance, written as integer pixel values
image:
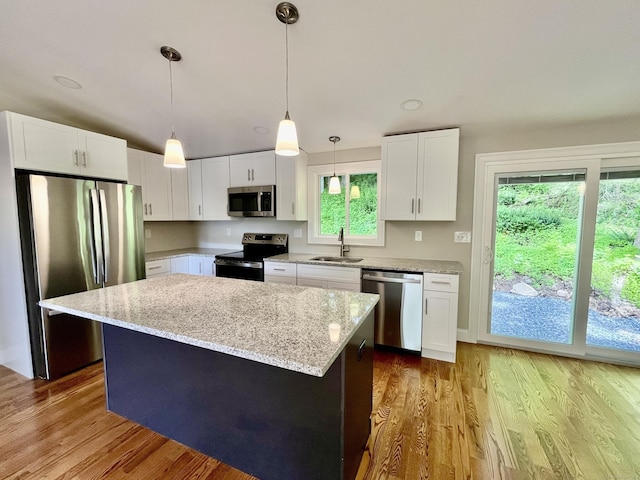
(343, 248)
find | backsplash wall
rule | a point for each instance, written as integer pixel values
(169, 236)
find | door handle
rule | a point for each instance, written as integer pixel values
(105, 236)
(96, 260)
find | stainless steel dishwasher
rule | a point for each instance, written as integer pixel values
(398, 315)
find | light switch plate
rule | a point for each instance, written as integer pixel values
(462, 237)
(418, 236)
(147, 233)
(228, 232)
(297, 233)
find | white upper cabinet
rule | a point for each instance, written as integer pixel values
(215, 182)
(46, 146)
(248, 169)
(179, 194)
(194, 174)
(155, 180)
(420, 175)
(291, 187)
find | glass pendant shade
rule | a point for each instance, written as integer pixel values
(173, 154)
(334, 185)
(355, 192)
(287, 141)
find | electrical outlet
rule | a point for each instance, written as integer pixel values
(418, 236)
(228, 232)
(297, 233)
(147, 233)
(462, 237)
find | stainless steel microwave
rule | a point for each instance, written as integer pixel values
(254, 201)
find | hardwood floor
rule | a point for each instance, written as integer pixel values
(495, 414)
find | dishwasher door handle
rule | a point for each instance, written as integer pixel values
(389, 279)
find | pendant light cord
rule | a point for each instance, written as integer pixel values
(173, 134)
(286, 42)
(334, 158)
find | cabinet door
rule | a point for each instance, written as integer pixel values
(291, 187)
(44, 146)
(209, 266)
(180, 264)
(156, 188)
(440, 324)
(195, 265)
(134, 166)
(179, 193)
(399, 169)
(257, 168)
(309, 282)
(215, 182)
(437, 190)
(102, 156)
(194, 174)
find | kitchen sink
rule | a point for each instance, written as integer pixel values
(338, 259)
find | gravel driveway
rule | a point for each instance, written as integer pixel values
(548, 319)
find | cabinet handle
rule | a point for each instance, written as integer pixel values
(440, 282)
(150, 210)
(361, 349)
(419, 206)
(145, 209)
(293, 208)
(413, 202)
(155, 268)
(200, 268)
(278, 270)
(76, 162)
(252, 176)
(426, 305)
(199, 209)
(84, 159)
(248, 174)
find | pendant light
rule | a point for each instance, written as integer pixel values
(287, 141)
(173, 153)
(334, 183)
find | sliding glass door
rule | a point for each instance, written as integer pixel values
(560, 261)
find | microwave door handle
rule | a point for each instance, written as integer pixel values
(260, 201)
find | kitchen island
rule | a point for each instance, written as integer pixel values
(274, 380)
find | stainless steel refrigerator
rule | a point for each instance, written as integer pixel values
(76, 235)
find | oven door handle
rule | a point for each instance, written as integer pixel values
(227, 263)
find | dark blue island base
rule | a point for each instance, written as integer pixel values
(267, 421)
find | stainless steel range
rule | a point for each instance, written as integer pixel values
(248, 264)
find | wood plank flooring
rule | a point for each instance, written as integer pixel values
(496, 414)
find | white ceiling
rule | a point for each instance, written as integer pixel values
(475, 64)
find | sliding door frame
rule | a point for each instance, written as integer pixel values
(591, 158)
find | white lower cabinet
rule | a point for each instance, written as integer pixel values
(276, 272)
(180, 264)
(440, 316)
(155, 268)
(321, 276)
(202, 265)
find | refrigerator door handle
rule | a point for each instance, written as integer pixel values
(105, 236)
(96, 244)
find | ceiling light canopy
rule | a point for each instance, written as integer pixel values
(67, 82)
(334, 183)
(287, 140)
(411, 104)
(173, 153)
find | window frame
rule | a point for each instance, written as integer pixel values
(350, 168)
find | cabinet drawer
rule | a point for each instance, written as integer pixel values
(158, 267)
(438, 282)
(279, 279)
(348, 286)
(280, 269)
(322, 272)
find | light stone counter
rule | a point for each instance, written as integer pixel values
(208, 252)
(378, 263)
(281, 325)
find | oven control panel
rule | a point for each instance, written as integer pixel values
(265, 239)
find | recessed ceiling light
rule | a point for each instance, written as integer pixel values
(411, 104)
(67, 82)
(261, 130)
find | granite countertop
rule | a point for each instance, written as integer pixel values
(378, 263)
(285, 326)
(209, 252)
